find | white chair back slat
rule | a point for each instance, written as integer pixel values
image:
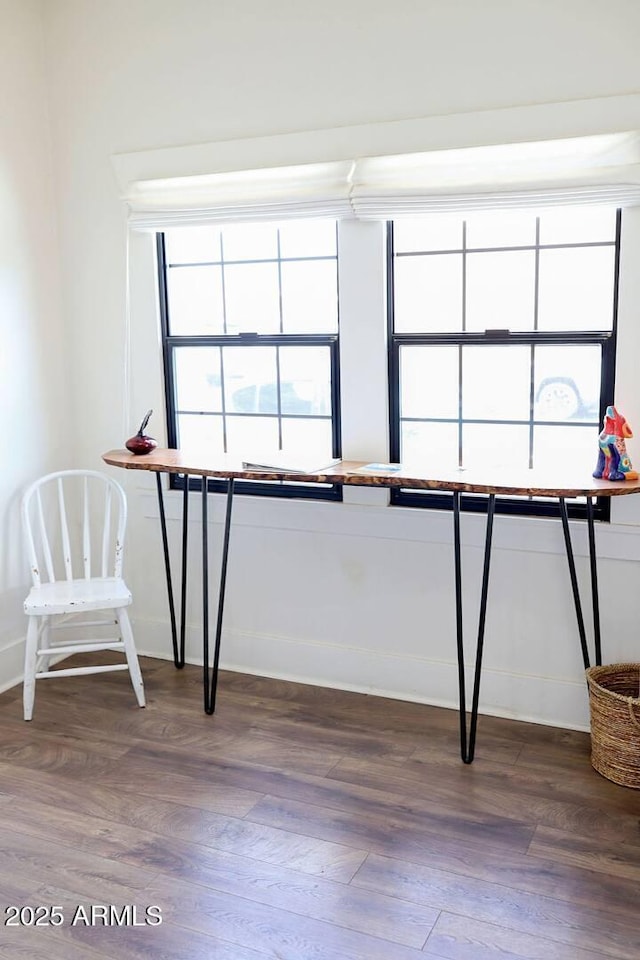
(106, 532)
(34, 561)
(118, 547)
(86, 530)
(64, 530)
(44, 540)
(99, 524)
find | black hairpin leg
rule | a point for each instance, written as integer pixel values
(594, 582)
(183, 591)
(205, 595)
(167, 569)
(210, 680)
(574, 581)
(459, 625)
(178, 654)
(468, 743)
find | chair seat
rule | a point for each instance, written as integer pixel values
(77, 596)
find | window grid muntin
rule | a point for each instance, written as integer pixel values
(606, 338)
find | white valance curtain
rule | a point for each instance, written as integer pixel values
(576, 170)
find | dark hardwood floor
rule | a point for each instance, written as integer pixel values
(302, 823)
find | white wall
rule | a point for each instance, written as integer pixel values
(36, 425)
(360, 595)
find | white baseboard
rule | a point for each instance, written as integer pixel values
(536, 699)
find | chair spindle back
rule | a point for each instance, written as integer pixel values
(74, 522)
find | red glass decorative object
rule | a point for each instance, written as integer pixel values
(141, 443)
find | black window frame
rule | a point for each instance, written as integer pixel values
(606, 339)
(170, 342)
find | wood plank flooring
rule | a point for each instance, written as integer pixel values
(302, 823)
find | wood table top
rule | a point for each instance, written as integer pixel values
(566, 482)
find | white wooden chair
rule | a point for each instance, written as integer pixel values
(74, 523)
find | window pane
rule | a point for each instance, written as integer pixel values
(501, 290)
(248, 437)
(250, 378)
(310, 296)
(443, 232)
(428, 293)
(578, 225)
(576, 289)
(305, 381)
(562, 446)
(252, 298)
(501, 228)
(429, 381)
(250, 241)
(567, 382)
(308, 238)
(496, 383)
(495, 445)
(197, 378)
(200, 432)
(431, 443)
(195, 303)
(307, 437)
(192, 245)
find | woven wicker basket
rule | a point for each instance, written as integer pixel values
(614, 701)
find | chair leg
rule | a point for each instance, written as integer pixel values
(132, 657)
(30, 657)
(45, 642)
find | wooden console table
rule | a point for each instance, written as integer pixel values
(456, 481)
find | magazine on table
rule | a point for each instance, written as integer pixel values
(280, 462)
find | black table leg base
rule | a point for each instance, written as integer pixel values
(167, 571)
(184, 568)
(574, 581)
(468, 727)
(595, 603)
(468, 738)
(210, 674)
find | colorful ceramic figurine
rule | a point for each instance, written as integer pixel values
(613, 459)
